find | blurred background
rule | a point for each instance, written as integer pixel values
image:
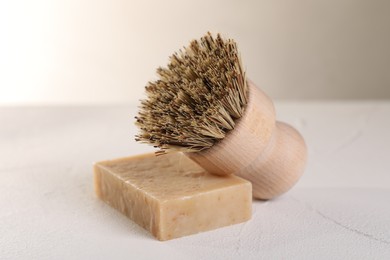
(102, 52)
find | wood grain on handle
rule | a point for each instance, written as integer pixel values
(272, 155)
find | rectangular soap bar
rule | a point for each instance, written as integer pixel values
(171, 196)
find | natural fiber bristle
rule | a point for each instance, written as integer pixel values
(196, 99)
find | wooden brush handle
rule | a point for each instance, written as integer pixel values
(272, 155)
(279, 166)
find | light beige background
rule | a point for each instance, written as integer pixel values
(84, 51)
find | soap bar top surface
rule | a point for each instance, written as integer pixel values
(166, 177)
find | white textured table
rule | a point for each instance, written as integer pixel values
(48, 210)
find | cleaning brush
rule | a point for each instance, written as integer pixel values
(204, 106)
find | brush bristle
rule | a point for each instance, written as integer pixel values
(196, 99)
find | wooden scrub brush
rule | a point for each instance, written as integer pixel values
(203, 105)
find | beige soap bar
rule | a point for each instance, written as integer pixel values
(171, 196)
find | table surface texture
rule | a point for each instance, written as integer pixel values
(340, 209)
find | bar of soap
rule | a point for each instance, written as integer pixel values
(171, 196)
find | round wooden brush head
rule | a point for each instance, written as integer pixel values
(270, 154)
(203, 105)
